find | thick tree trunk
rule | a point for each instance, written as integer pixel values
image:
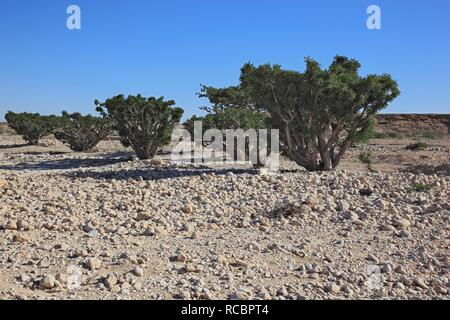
(309, 161)
(327, 164)
(147, 152)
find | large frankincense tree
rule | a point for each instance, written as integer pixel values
(320, 112)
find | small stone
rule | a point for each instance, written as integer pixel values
(24, 278)
(399, 285)
(181, 257)
(264, 222)
(343, 205)
(62, 278)
(282, 291)
(11, 225)
(93, 263)
(347, 290)
(405, 234)
(49, 210)
(92, 234)
(110, 280)
(365, 192)
(20, 238)
(400, 269)
(388, 227)
(263, 294)
(129, 257)
(240, 263)
(333, 288)
(190, 268)
(311, 201)
(350, 215)
(138, 271)
(195, 235)
(23, 225)
(440, 289)
(81, 253)
(222, 260)
(61, 246)
(142, 216)
(372, 258)
(156, 162)
(160, 231)
(184, 295)
(420, 283)
(189, 227)
(189, 208)
(48, 281)
(387, 268)
(401, 223)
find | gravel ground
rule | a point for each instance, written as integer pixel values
(96, 226)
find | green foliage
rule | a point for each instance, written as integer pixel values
(31, 126)
(420, 187)
(233, 97)
(229, 118)
(145, 124)
(320, 112)
(364, 135)
(82, 133)
(366, 159)
(231, 109)
(417, 146)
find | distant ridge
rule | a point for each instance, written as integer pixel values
(411, 123)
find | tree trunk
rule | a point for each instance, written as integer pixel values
(147, 152)
(327, 164)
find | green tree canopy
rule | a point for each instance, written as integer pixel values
(320, 112)
(145, 124)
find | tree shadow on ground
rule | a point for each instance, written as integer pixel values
(154, 173)
(12, 146)
(443, 169)
(70, 163)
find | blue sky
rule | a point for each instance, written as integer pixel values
(169, 47)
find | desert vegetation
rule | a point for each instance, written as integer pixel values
(320, 112)
(416, 146)
(31, 126)
(82, 133)
(145, 124)
(79, 219)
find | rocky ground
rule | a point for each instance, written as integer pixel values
(97, 226)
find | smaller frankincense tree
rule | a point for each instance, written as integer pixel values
(230, 110)
(31, 126)
(82, 132)
(145, 124)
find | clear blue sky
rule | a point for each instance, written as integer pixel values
(169, 47)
